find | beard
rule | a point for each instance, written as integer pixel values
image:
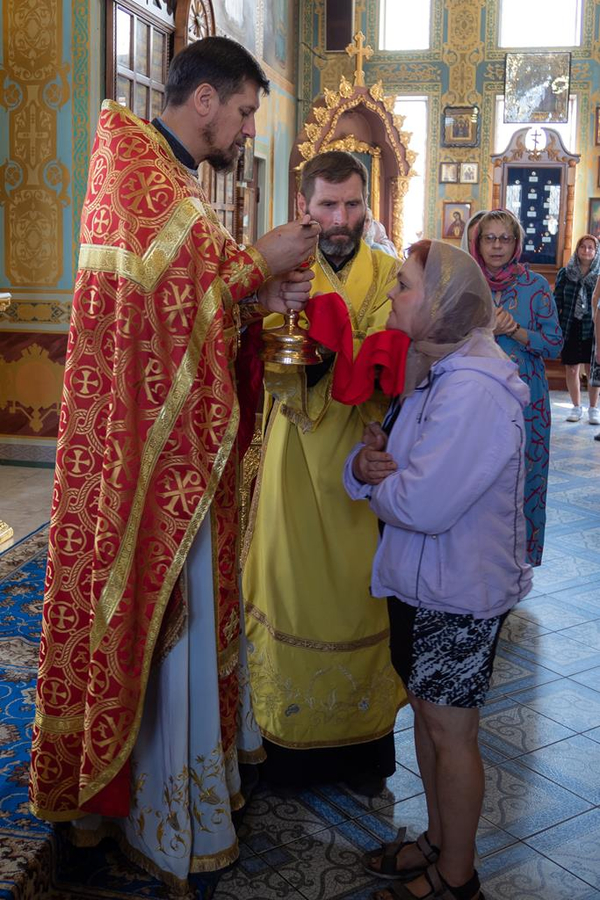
(340, 242)
(220, 160)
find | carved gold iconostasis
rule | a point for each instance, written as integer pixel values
(464, 68)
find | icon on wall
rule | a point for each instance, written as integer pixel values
(460, 126)
(536, 87)
(456, 216)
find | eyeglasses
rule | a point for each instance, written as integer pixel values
(503, 238)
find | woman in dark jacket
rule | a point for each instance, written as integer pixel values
(573, 291)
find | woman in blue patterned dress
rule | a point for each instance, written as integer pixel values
(528, 331)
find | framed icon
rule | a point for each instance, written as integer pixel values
(536, 87)
(460, 126)
(469, 173)
(455, 218)
(597, 127)
(594, 217)
(448, 172)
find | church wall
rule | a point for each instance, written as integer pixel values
(51, 87)
(463, 67)
(51, 70)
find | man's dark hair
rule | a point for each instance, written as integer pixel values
(333, 166)
(218, 61)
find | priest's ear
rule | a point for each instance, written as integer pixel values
(302, 204)
(205, 100)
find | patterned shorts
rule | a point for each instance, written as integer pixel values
(441, 657)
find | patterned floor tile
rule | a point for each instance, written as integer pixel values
(400, 786)
(573, 763)
(268, 885)
(556, 652)
(570, 704)
(557, 611)
(520, 873)
(594, 734)
(326, 865)
(276, 818)
(517, 629)
(522, 802)
(591, 678)
(583, 538)
(588, 634)
(405, 718)
(513, 673)
(514, 729)
(574, 845)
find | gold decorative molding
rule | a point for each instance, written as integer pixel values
(34, 183)
(358, 49)
(6, 532)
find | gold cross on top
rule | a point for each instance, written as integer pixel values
(358, 49)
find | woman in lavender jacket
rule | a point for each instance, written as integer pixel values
(445, 477)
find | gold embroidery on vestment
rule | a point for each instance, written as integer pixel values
(325, 646)
(148, 269)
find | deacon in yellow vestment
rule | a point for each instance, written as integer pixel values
(320, 668)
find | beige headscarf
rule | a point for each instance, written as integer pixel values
(457, 303)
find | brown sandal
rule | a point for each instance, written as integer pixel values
(439, 889)
(388, 853)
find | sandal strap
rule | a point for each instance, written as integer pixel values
(440, 890)
(431, 853)
(390, 853)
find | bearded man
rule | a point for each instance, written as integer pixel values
(320, 669)
(142, 710)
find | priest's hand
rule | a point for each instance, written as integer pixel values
(286, 292)
(287, 247)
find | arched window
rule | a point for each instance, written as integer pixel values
(404, 25)
(540, 23)
(138, 50)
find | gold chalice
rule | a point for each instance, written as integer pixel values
(290, 345)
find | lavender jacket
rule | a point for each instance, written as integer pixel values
(454, 536)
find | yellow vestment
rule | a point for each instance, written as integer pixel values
(319, 658)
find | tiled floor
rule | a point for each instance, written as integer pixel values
(539, 837)
(25, 497)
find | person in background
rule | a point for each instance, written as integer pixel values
(528, 330)
(465, 241)
(375, 235)
(143, 712)
(445, 476)
(324, 691)
(573, 293)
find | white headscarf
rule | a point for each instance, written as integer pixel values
(457, 303)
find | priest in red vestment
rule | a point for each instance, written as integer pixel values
(142, 702)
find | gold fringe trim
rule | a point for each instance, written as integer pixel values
(323, 646)
(252, 757)
(215, 862)
(210, 863)
(237, 801)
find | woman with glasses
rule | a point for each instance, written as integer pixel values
(573, 293)
(528, 330)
